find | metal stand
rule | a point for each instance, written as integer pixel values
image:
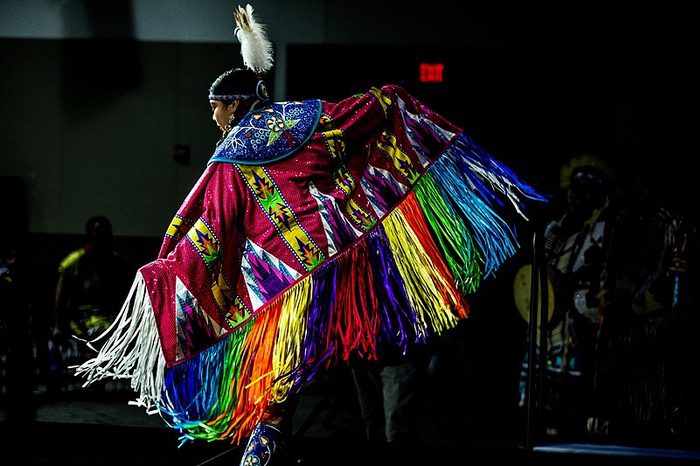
(537, 354)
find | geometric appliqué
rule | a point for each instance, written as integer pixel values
(194, 328)
(265, 275)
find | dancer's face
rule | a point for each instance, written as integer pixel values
(221, 112)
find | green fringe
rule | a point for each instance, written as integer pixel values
(455, 241)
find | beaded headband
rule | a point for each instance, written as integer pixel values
(228, 97)
(260, 92)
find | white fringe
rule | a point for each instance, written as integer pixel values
(132, 350)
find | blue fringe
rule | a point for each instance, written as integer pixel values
(193, 386)
(471, 150)
(492, 235)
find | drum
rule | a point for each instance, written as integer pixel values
(522, 290)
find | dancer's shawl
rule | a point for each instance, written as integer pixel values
(317, 232)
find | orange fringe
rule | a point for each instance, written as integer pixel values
(255, 381)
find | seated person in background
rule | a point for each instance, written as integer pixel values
(89, 291)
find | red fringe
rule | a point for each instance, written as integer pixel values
(354, 323)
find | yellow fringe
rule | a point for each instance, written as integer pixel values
(291, 333)
(425, 287)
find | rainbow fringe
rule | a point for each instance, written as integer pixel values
(400, 283)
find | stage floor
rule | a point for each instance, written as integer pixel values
(102, 429)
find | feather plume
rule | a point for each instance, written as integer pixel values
(255, 46)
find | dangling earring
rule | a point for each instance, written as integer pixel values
(231, 122)
(232, 117)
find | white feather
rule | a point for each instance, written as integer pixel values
(255, 46)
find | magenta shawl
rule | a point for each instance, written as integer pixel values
(317, 231)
